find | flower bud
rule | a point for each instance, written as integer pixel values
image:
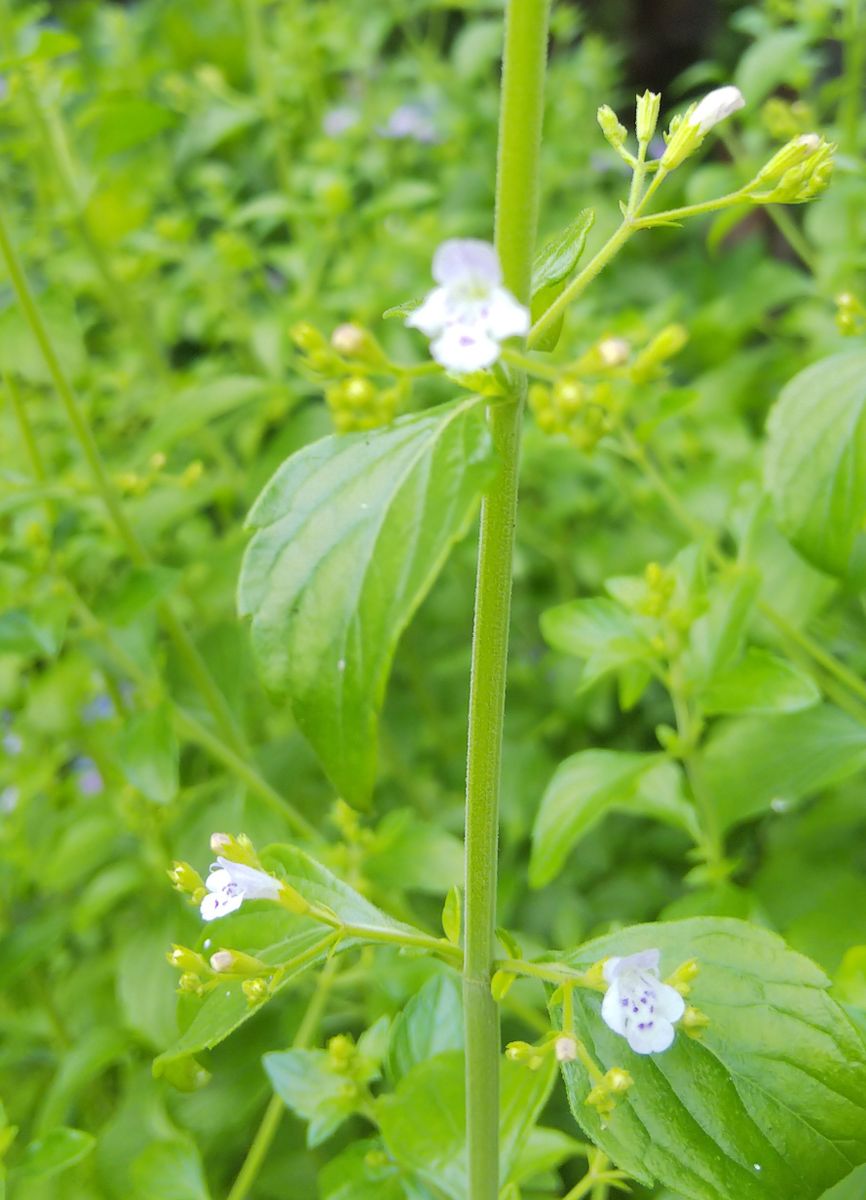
(190, 982)
(647, 115)
(353, 341)
(235, 962)
(694, 1022)
(186, 879)
(716, 106)
(565, 1048)
(307, 338)
(611, 127)
(187, 960)
(237, 849)
(794, 152)
(613, 351)
(255, 990)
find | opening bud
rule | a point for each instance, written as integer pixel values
(684, 976)
(694, 1022)
(353, 341)
(187, 960)
(236, 849)
(647, 115)
(565, 1048)
(235, 962)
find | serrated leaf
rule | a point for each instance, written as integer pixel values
(815, 465)
(431, 1023)
(423, 1122)
(554, 264)
(558, 257)
(56, 1151)
(768, 1104)
(592, 783)
(760, 683)
(320, 886)
(349, 536)
(751, 764)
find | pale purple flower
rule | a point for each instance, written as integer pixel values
(340, 120)
(637, 1005)
(470, 312)
(414, 121)
(88, 776)
(230, 883)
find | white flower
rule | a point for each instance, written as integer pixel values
(637, 1005)
(716, 106)
(230, 883)
(470, 313)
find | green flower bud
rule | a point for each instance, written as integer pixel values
(647, 115)
(615, 133)
(235, 962)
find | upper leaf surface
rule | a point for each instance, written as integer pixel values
(769, 1103)
(816, 459)
(349, 535)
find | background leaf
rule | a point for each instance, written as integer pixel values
(349, 536)
(815, 467)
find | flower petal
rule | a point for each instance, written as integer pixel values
(218, 880)
(505, 317)
(467, 260)
(611, 968)
(218, 904)
(433, 314)
(669, 1004)
(464, 348)
(656, 1036)
(615, 1008)
(252, 883)
(716, 106)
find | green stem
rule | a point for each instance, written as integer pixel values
(183, 643)
(522, 105)
(273, 1114)
(581, 281)
(637, 179)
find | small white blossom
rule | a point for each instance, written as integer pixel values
(230, 883)
(637, 1005)
(470, 313)
(716, 106)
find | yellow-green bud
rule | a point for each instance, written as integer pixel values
(618, 1080)
(235, 962)
(186, 878)
(255, 990)
(307, 338)
(501, 984)
(794, 152)
(190, 982)
(187, 960)
(353, 341)
(569, 395)
(694, 1022)
(341, 1051)
(236, 849)
(684, 976)
(647, 115)
(293, 900)
(611, 127)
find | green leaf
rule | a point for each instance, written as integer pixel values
(599, 630)
(452, 915)
(226, 1007)
(552, 268)
(149, 755)
(760, 683)
(544, 1150)
(768, 1104)
(776, 57)
(716, 637)
(592, 783)
(423, 1122)
(852, 1187)
(752, 764)
(409, 854)
(361, 1172)
(58, 1150)
(170, 1170)
(306, 1081)
(815, 467)
(349, 536)
(320, 886)
(431, 1023)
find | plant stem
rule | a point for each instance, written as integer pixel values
(522, 104)
(270, 1122)
(183, 643)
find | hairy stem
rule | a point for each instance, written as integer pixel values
(524, 63)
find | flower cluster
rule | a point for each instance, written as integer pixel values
(470, 313)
